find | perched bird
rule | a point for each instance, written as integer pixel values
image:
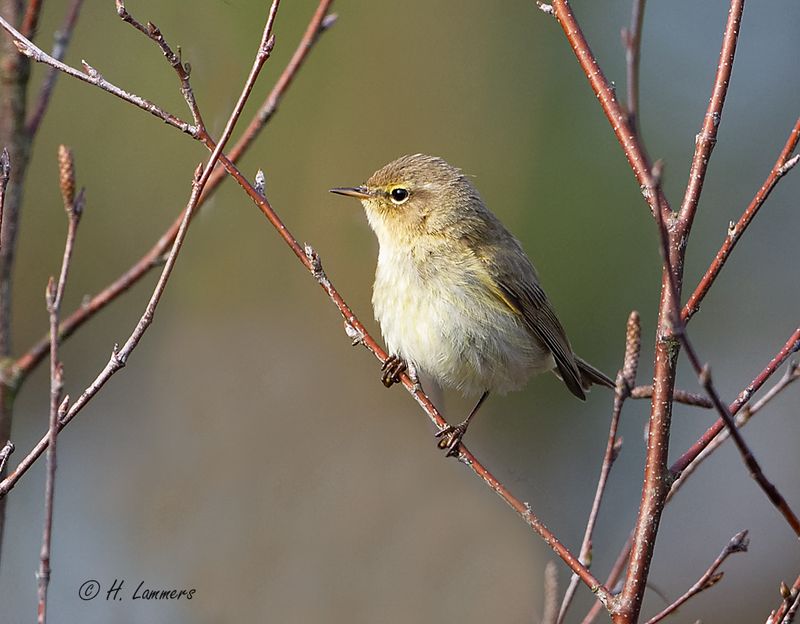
(455, 294)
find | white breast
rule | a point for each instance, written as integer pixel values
(452, 328)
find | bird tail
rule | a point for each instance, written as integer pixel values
(590, 375)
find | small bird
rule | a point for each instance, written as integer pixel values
(455, 294)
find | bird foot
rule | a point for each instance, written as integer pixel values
(450, 438)
(391, 369)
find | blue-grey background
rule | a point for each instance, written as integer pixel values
(249, 452)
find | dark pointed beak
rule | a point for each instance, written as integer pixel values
(359, 192)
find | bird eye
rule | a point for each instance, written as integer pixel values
(399, 195)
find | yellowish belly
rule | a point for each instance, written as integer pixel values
(454, 330)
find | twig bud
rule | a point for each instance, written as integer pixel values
(328, 21)
(50, 293)
(633, 344)
(261, 183)
(66, 176)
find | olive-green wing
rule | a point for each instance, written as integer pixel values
(513, 280)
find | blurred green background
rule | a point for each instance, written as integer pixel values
(249, 452)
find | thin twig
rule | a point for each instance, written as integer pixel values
(704, 376)
(738, 543)
(627, 605)
(154, 257)
(91, 76)
(775, 497)
(791, 346)
(791, 375)
(606, 95)
(54, 296)
(62, 38)
(320, 22)
(679, 396)
(632, 39)
(695, 457)
(626, 378)
(782, 166)
(182, 71)
(611, 580)
(707, 137)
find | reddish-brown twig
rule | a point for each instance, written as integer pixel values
(738, 543)
(606, 95)
(319, 23)
(154, 257)
(626, 378)
(791, 346)
(707, 138)
(775, 497)
(62, 39)
(704, 374)
(54, 295)
(782, 166)
(632, 39)
(791, 375)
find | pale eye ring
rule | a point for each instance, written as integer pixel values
(399, 195)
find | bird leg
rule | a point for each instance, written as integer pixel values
(391, 369)
(451, 435)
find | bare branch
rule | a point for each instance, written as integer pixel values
(782, 166)
(792, 374)
(791, 346)
(775, 497)
(738, 543)
(320, 22)
(152, 32)
(707, 138)
(679, 396)
(606, 95)
(54, 296)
